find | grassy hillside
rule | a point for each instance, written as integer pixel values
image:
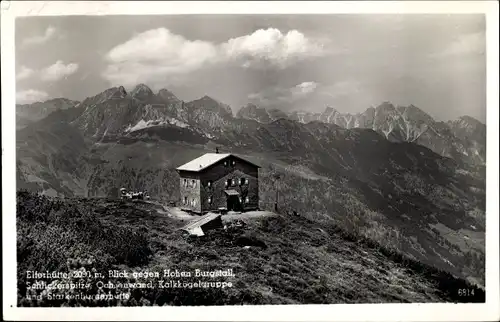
(52, 155)
(290, 259)
(431, 231)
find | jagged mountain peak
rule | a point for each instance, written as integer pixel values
(370, 111)
(165, 94)
(299, 112)
(122, 91)
(141, 91)
(415, 108)
(277, 113)
(329, 109)
(285, 122)
(249, 110)
(469, 128)
(253, 112)
(416, 114)
(52, 101)
(328, 113)
(110, 93)
(60, 99)
(28, 113)
(469, 120)
(386, 107)
(207, 102)
(208, 99)
(113, 92)
(252, 106)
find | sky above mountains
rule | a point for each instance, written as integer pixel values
(306, 62)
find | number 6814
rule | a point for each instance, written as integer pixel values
(465, 292)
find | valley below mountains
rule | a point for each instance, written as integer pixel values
(391, 175)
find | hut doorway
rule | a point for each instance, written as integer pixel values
(233, 200)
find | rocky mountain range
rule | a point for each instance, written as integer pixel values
(463, 139)
(115, 112)
(392, 174)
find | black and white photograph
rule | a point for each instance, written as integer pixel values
(218, 159)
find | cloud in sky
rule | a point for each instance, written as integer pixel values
(156, 53)
(342, 88)
(426, 60)
(159, 53)
(50, 32)
(30, 96)
(24, 73)
(473, 43)
(284, 95)
(58, 71)
(305, 88)
(271, 46)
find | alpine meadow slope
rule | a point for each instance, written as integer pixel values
(327, 266)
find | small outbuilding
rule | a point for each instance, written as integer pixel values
(205, 223)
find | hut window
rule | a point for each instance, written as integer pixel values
(243, 181)
(185, 200)
(247, 199)
(209, 199)
(185, 182)
(233, 163)
(225, 163)
(233, 182)
(241, 200)
(209, 184)
(193, 182)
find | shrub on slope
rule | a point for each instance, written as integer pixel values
(51, 233)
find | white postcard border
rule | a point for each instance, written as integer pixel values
(345, 312)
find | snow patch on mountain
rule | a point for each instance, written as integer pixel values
(149, 123)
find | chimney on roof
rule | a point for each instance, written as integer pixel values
(216, 150)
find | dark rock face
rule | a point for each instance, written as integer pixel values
(142, 92)
(253, 112)
(122, 91)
